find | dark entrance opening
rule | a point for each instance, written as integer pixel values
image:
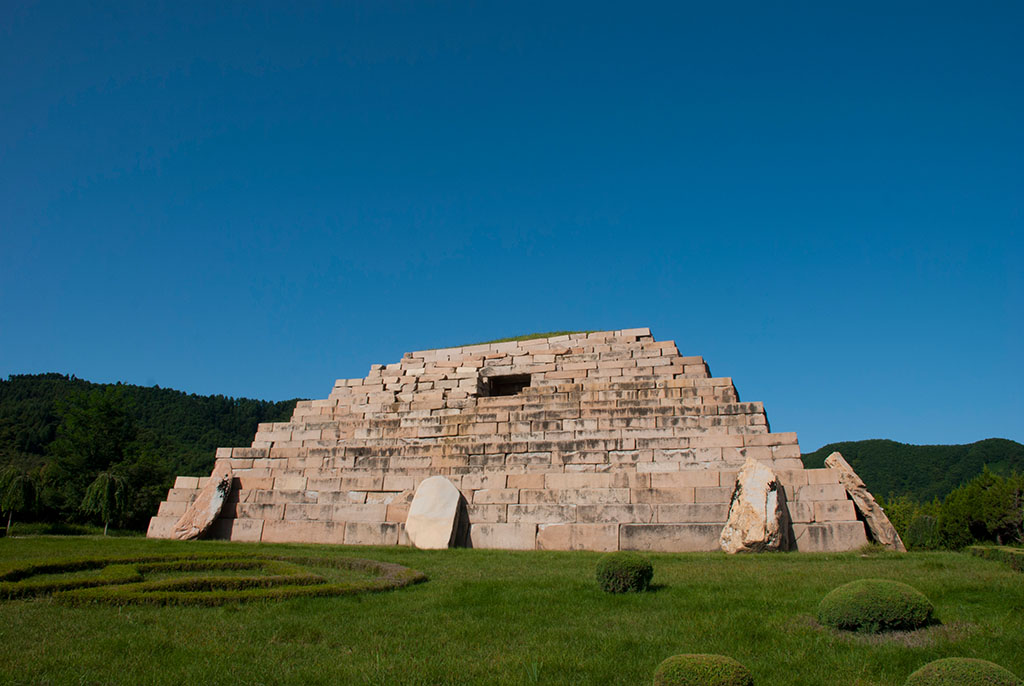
(510, 384)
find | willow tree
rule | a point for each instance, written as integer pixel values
(106, 496)
(17, 492)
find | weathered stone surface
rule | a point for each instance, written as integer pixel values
(161, 527)
(669, 538)
(756, 514)
(204, 510)
(881, 528)
(434, 514)
(508, 536)
(829, 536)
(601, 537)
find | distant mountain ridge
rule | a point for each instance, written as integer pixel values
(922, 472)
(184, 429)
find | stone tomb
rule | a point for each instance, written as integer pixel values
(599, 441)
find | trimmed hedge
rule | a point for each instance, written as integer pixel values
(121, 581)
(702, 670)
(962, 671)
(1014, 557)
(875, 605)
(622, 572)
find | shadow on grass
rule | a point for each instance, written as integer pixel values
(930, 634)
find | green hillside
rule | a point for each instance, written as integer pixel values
(63, 432)
(922, 472)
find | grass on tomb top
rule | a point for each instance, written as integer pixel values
(504, 618)
(525, 337)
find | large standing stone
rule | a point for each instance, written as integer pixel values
(756, 514)
(881, 528)
(433, 520)
(203, 511)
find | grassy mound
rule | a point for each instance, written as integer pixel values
(622, 572)
(524, 337)
(962, 671)
(200, 579)
(702, 670)
(875, 605)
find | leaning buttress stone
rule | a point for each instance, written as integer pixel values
(756, 514)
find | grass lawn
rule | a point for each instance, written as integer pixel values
(503, 617)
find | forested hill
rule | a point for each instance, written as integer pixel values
(922, 472)
(183, 430)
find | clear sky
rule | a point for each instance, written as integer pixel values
(253, 199)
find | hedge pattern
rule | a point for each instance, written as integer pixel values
(165, 579)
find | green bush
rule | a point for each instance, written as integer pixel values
(962, 671)
(702, 670)
(875, 605)
(620, 572)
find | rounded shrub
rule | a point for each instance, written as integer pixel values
(621, 571)
(702, 670)
(962, 671)
(875, 605)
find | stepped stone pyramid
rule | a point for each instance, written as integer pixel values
(595, 441)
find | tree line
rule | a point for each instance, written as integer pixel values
(73, 451)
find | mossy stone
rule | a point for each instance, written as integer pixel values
(962, 671)
(875, 605)
(702, 670)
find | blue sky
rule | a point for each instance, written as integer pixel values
(254, 199)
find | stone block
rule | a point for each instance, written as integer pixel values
(371, 533)
(547, 514)
(574, 496)
(834, 511)
(303, 532)
(608, 514)
(358, 513)
(172, 509)
(397, 512)
(692, 512)
(599, 537)
(578, 480)
(487, 513)
(717, 494)
(161, 526)
(829, 536)
(475, 482)
(801, 512)
(688, 477)
(186, 482)
(495, 496)
(531, 480)
(670, 538)
(290, 483)
(517, 536)
(262, 511)
(236, 529)
(822, 476)
(662, 495)
(821, 492)
(181, 495)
